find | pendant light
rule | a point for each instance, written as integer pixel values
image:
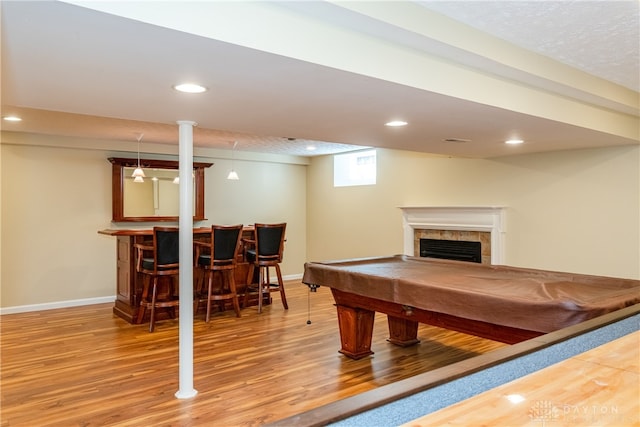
(233, 175)
(138, 173)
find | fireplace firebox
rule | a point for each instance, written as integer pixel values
(458, 250)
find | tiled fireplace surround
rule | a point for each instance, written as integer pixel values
(484, 224)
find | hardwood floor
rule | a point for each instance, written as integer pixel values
(83, 366)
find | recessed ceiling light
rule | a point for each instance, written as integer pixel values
(12, 118)
(190, 88)
(396, 123)
(513, 141)
(311, 147)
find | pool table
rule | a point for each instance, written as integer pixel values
(506, 304)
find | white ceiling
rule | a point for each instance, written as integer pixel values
(73, 71)
(601, 37)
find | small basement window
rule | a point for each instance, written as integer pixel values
(358, 168)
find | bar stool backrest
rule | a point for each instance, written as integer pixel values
(270, 242)
(226, 242)
(167, 249)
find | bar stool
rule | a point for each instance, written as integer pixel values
(163, 262)
(269, 247)
(219, 255)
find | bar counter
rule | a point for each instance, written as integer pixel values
(129, 282)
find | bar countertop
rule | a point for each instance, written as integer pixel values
(143, 231)
(149, 231)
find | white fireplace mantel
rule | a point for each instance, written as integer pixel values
(471, 218)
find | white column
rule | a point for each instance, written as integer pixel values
(186, 260)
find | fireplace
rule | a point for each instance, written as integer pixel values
(483, 226)
(458, 250)
(479, 240)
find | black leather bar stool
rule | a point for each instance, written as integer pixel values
(155, 262)
(219, 255)
(269, 248)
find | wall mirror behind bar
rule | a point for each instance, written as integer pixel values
(157, 197)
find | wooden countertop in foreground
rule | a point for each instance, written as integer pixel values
(599, 387)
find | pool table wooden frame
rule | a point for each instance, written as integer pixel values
(356, 315)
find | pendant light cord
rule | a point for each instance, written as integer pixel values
(139, 139)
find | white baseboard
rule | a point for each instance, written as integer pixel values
(79, 302)
(57, 304)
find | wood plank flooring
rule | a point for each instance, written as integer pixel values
(83, 366)
(599, 387)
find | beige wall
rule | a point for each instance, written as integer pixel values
(576, 211)
(573, 211)
(54, 201)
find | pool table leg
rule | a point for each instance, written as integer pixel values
(356, 330)
(402, 332)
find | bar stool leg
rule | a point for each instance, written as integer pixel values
(143, 300)
(245, 300)
(232, 288)
(260, 288)
(153, 304)
(209, 296)
(281, 287)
